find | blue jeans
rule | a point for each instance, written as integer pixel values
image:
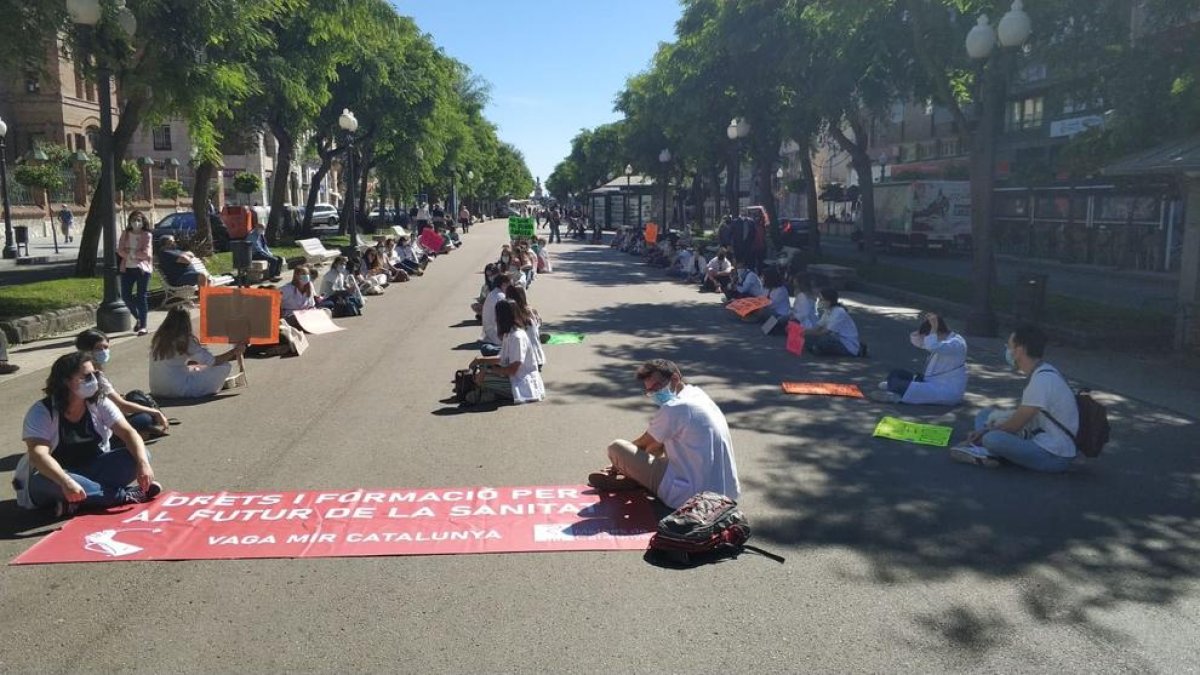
(826, 344)
(137, 304)
(898, 380)
(105, 481)
(1017, 450)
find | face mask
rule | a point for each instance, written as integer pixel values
(102, 356)
(304, 279)
(88, 387)
(664, 396)
(1009, 357)
(504, 258)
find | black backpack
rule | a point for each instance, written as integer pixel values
(1093, 422)
(707, 528)
(464, 384)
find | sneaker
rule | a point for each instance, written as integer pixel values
(973, 454)
(611, 481)
(135, 495)
(65, 509)
(141, 332)
(883, 385)
(884, 396)
(7, 368)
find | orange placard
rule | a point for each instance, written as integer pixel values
(744, 307)
(651, 234)
(229, 315)
(823, 389)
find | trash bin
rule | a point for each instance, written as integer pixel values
(242, 251)
(1029, 298)
(21, 238)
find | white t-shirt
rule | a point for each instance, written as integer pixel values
(534, 332)
(751, 284)
(719, 266)
(527, 385)
(837, 320)
(490, 330)
(1049, 392)
(293, 299)
(804, 310)
(780, 302)
(42, 424)
(698, 446)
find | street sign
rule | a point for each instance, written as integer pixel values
(520, 228)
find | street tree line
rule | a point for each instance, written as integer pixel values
(232, 68)
(815, 71)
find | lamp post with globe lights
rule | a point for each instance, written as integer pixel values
(349, 123)
(738, 129)
(471, 192)
(664, 158)
(628, 192)
(1013, 32)
(112, 316)
(10, 243)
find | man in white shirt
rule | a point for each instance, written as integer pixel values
(749, 284)
(718, 274)
(490, 330)
(685, 450)
(1040, 433)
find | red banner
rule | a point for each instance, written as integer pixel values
(364, 522)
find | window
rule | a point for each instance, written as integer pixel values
(32, 85)
(162, 137)
(1026, 114)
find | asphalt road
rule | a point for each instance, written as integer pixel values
(897, 559)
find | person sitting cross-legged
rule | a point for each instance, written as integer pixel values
(511, 375)
(746, 284)
(686, 449)
(943, 381)
(718, 274)
(491, 331)
(836, 334)
(1039, 434)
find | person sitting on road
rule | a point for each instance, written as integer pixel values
(340, 288)
(260, 251)
(718, 274)
(490, 272)
(836, 333)
(804, 308)
(180, 367)
(491, 334)
(394, 256)
(685, 450)
(513, 373)
(148, 421)
(1039, 434)
(944, 380)
(412, 255)
(300, 294)
(378, 271)
(529, 319)
(179, 267)
(781, 303)
(747, 285)
(70, 461)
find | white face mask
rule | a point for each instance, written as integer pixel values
(88, 387)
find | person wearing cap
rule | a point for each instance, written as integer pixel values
(685, 450)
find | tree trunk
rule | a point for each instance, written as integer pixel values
(280, 180)
(716, 195)
(810, 198)
(732, 173)
(93, 228)
(202, 245)
(765, 176)
(861, 161)
(314, 188)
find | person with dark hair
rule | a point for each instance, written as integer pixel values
(180, 367)
(179, 267)
(685, 450)
(69, 461)
(944, 378)
(491, 334)
(339, 287)
(835, 333)
(513, 374)
(1039, 434)
(746, 282)
(148, 421)
(804, 308)
(529, 319)
(137, 264)
(718, 274)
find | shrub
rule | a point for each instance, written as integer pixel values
(247, 183)
(171, 189)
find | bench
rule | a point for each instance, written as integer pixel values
(185, 295)
(315, 252)
(400, 231)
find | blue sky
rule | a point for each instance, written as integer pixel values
(554, 65)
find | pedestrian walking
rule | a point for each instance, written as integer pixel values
(65, 220)
(137, 264)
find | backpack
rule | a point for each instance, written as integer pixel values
(464, 384)
(708, 527)
(142, 398)
(1093, 423)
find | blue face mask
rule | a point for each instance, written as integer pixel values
(664, 396)
(1009, 358)
(102, 356)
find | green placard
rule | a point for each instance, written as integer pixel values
(520, 228)
(912, 432)
(565, 339)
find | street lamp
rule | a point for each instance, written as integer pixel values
(738, 129)
(112, 316)
(349, 123)
(10, 242)
(453, 206)
(1014, 30)
(628, 175)
(470, 184)
(664, 158)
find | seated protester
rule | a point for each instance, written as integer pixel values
(748, 283)
(525, 262)
(433, 242)
(513, 373)
(543, 259)
(451, 234)
(179, 267)
(1039, 434)
(530, 321)
(393, 256)
(489, 281)
(804, 308)
(944, 380)
(370, 281)
(260, 251)
(836, 333)
(180, 367)
(339, 288)
(378, 272)
(411, 255)
(146, 420)
(506, 256)
(498, 294)
(682, 263)
(300, 295)
(685, 450)
(718, 274)
(70, 462)
(781, 303)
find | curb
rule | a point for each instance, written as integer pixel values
(49, 324)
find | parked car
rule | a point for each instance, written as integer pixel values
(325, 214)
(182, 226)
(799, 233)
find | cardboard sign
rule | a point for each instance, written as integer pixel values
(744, 307)
(822, 389)
(651, 234)
(229, 315)
(520, 228)
(565, 339)
(315, 321)
(351, 523)
(913, 432)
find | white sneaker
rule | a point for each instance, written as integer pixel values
(883, 385)
(973, 454)
(884, 396)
